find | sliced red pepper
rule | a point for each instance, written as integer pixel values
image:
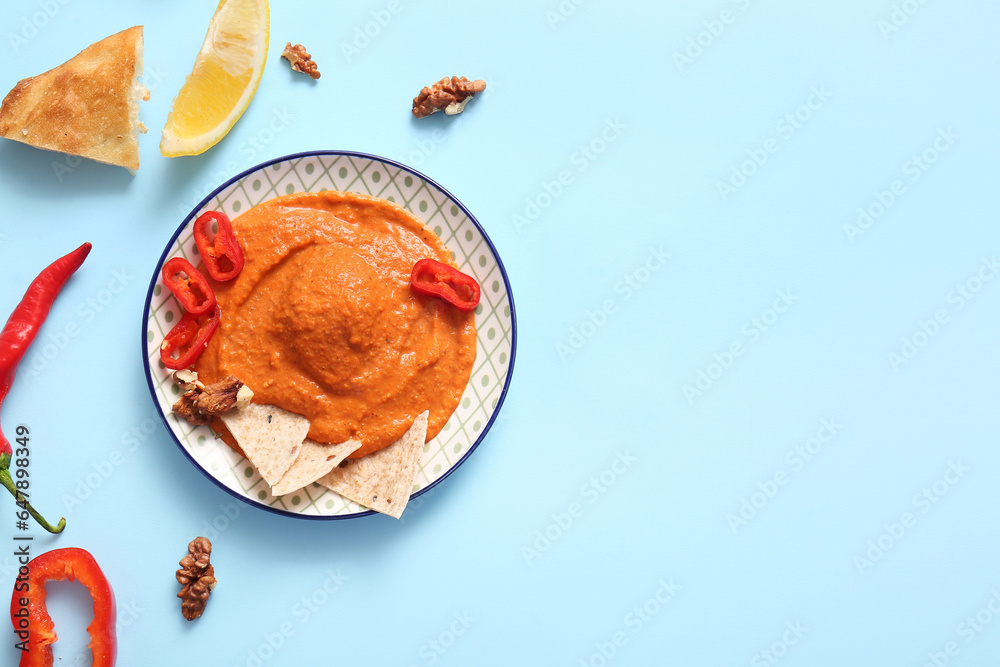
(32, 624)
(222, 254)
(433, 278)
(189, 286)
(189, 338)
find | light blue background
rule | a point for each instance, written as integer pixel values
(469, 576)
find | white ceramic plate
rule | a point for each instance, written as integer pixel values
(461, 233)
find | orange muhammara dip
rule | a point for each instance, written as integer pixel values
(322, 320)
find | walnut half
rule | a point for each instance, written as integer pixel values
(450, 94)
(300, 59)
(203, 402)
(196, 577)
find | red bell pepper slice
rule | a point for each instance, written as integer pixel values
(189, 338)
(189, 286)
(222, 254)
(433, 278)
(33, 625)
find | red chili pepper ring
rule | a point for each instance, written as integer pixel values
(189, 286)
(189, 338)
(433, 278)
(221, 253)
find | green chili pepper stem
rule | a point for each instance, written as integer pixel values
(8, 483)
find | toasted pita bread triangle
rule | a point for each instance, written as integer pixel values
(269, 436)
(315, 459)
(88, 106)
(382, 481)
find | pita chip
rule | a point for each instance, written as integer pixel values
(382, 481)
(315, 459)
(269, 436)
(88, 106)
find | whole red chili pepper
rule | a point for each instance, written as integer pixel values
(222, 254)
(433, 278)
(16, 337)
(189, 286)
(188, 338)
(31, 620)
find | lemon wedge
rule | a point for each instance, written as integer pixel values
(224, 79)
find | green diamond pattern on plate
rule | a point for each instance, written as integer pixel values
(393, 194)
(314, 173)
(290, 184)
(309, 170)
(343, 173)
(375, 178)
(277, 171)
(409, 185)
